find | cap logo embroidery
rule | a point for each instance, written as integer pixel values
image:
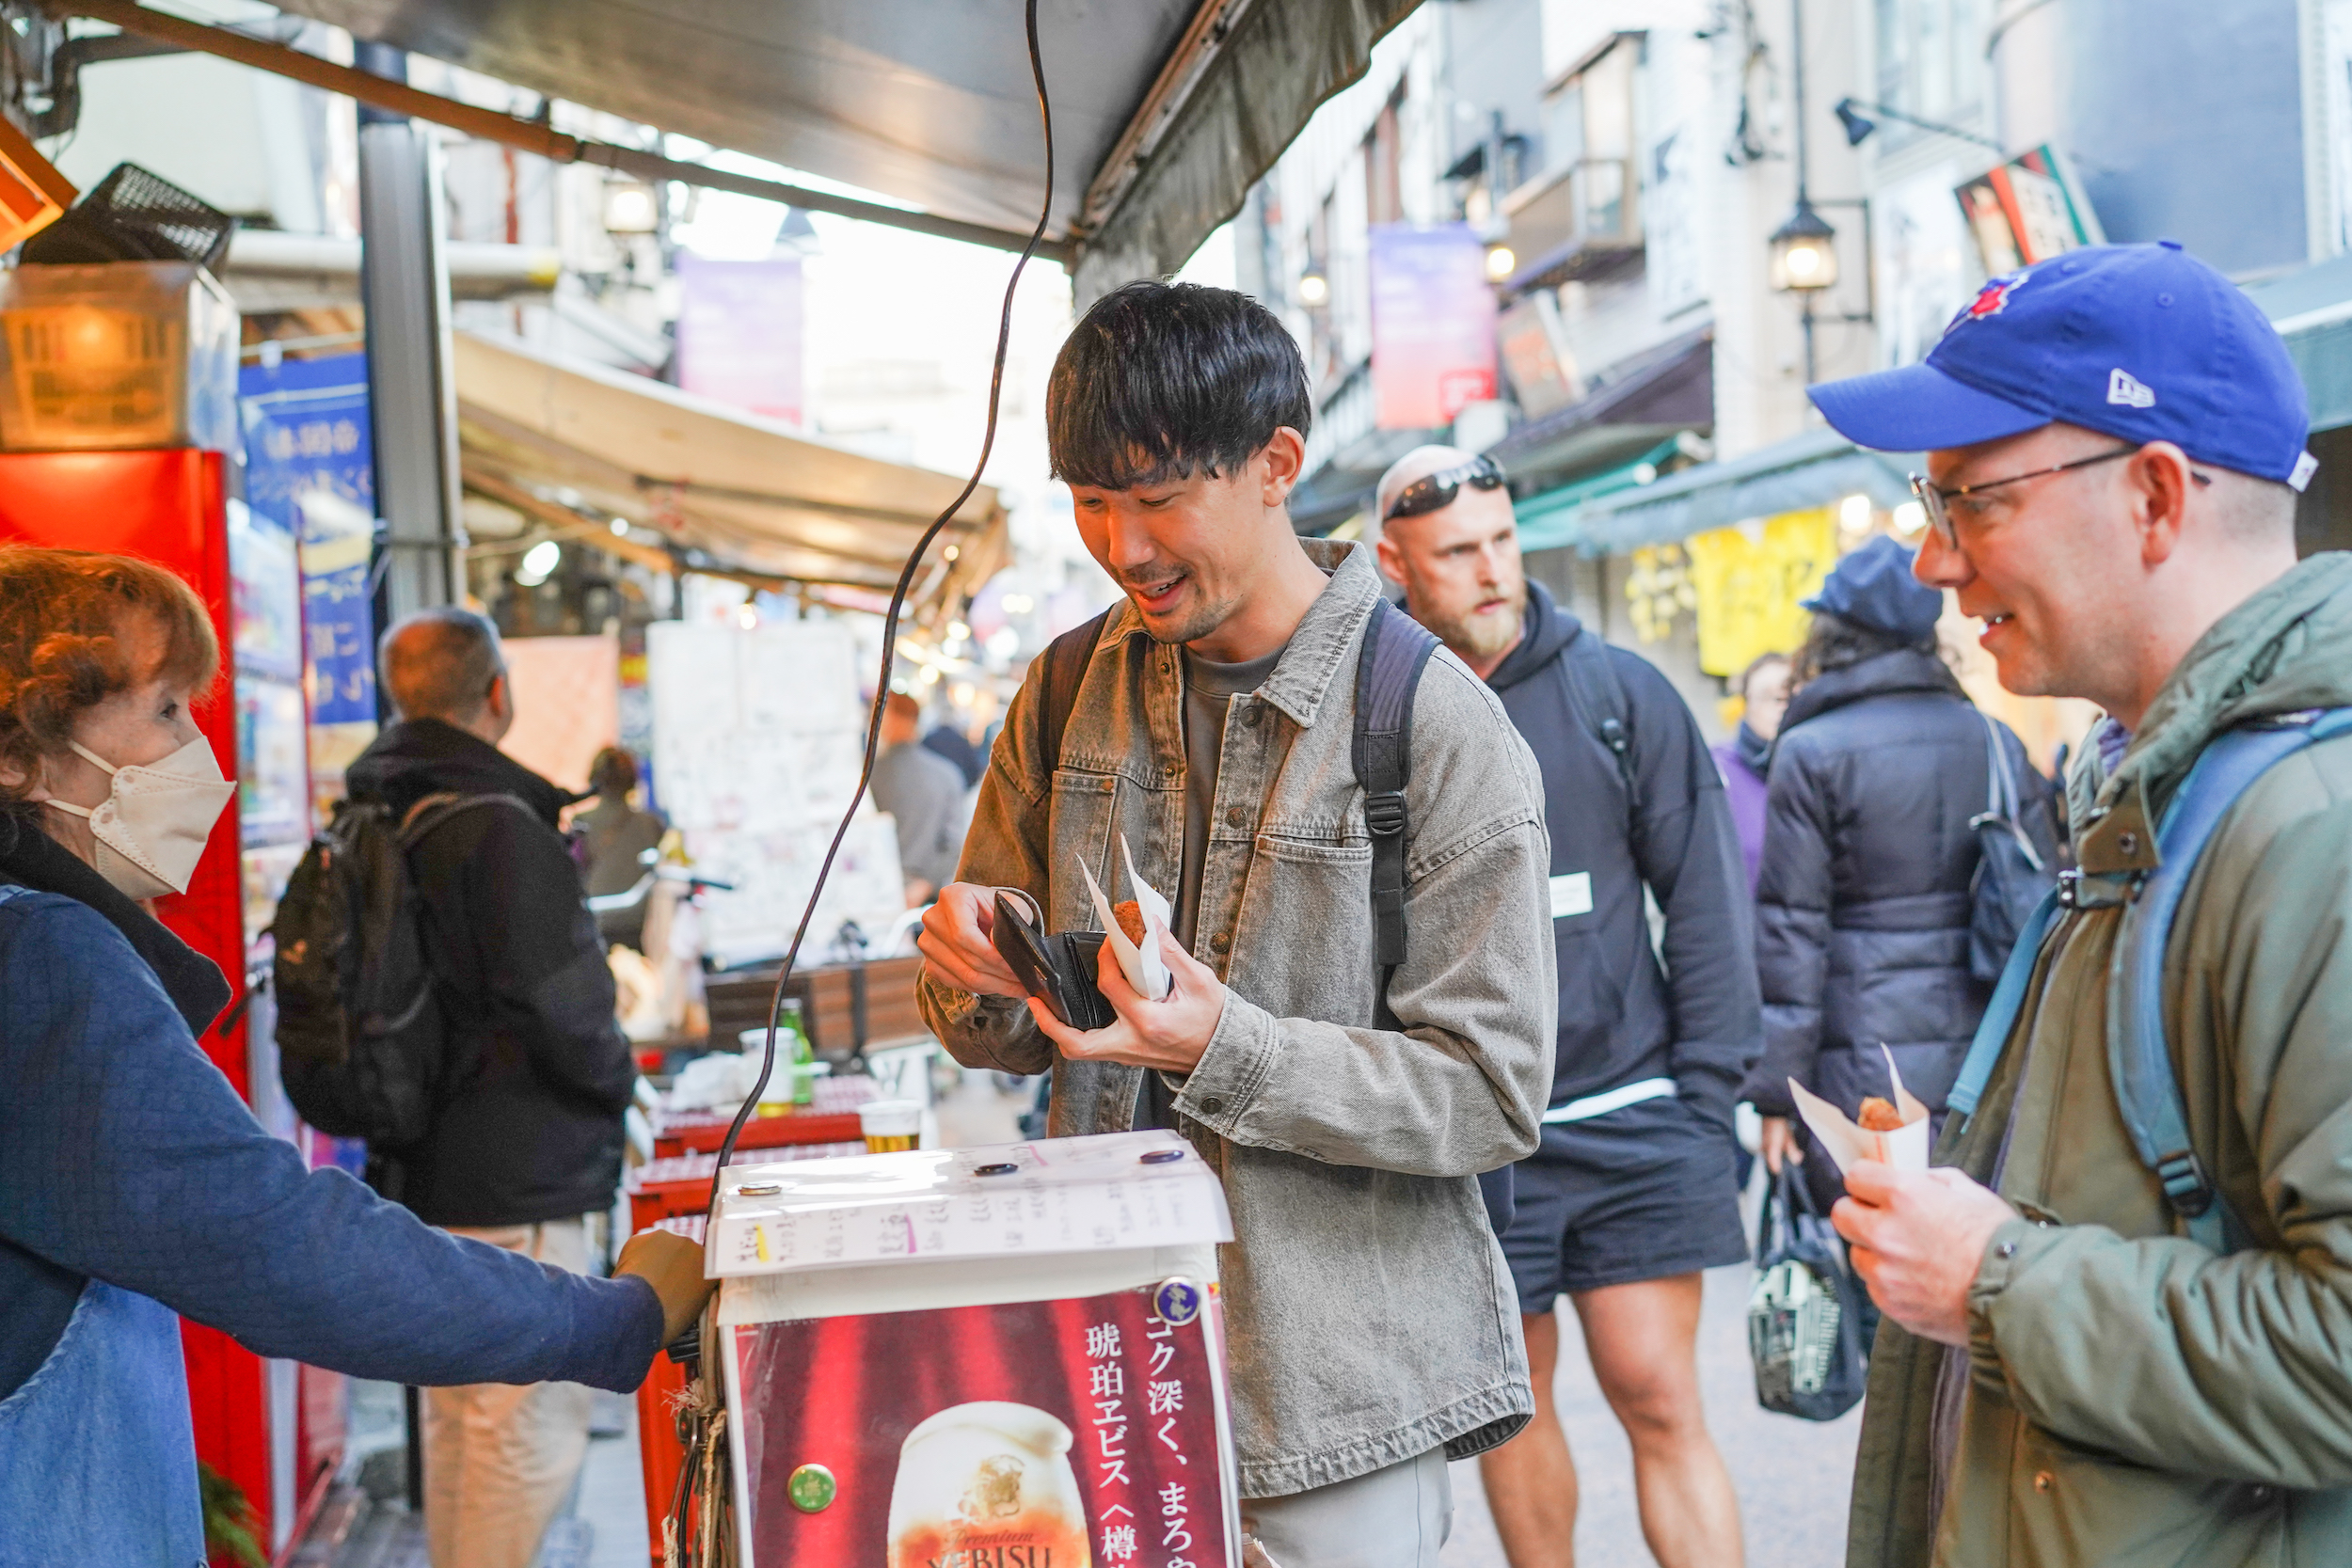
(1990, 300)
(2127, 391)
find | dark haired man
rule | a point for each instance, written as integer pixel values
(1371, 1332)
(1632, 1194)
(528, 1143)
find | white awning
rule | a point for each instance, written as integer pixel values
(560, 437)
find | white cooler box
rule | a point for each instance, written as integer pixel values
(997, 1357)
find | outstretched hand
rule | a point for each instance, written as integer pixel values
(1167, 1036)
(673, 1267)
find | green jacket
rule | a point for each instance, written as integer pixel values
(2131, 1398)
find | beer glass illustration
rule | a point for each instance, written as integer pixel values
(988, 1481)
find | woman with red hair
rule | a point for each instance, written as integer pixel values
(134, 1182)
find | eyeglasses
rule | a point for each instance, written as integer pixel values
(1934, 499)
(1436, 492)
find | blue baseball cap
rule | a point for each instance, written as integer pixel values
(2143, 343)
(1874, 586)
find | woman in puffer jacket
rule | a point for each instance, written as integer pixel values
(1862, 903)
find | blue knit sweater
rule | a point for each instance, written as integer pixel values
(126, 1156)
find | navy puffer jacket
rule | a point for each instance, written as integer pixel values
(1861, 905)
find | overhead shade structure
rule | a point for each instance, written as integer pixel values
(1812, 470)
(561, 439)
(1165, 111)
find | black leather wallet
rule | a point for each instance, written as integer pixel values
(1055, 967)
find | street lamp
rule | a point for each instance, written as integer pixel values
(1805, 252)
(1500, 262)
(1314, 288)
(1859, 125)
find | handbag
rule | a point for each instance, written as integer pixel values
(1805, 1309)
(2010, 875)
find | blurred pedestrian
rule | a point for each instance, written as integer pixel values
(1863, 906)
(616, 834)
(952, 744)
(1631, 1192)
(923, 792)
(135, 1184)
(525, 1145)
(1763, 688)
(2117, 1320)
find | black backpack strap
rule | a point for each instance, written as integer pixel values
(434, 810)
(1599, 699)
(1065, 663)
(1387, 667)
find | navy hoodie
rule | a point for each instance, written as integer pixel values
(1623, 1017)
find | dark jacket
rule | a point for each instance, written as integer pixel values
(541, 1073)
(1863, 905)
(125, 1156)
(1622, 1019)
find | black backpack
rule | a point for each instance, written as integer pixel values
(360, 1035)
(1389, 663)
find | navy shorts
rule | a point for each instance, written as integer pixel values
(1643, 1193)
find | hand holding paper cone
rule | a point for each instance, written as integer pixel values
(1138, 957)
(1904, 1146)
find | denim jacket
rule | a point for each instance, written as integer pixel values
(1370, 1317)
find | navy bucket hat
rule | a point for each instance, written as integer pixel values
(1874, 587)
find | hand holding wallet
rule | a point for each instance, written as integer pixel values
(1055, 967)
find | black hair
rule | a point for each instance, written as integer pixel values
(1834, 643)
(1161, 379)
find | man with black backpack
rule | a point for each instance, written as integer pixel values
(1352, 837)
(520, 1137)
(1632, 1192)
(2116, 1315)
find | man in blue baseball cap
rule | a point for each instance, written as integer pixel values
(2117, 1314)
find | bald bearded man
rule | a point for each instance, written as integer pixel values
(1632, 1194)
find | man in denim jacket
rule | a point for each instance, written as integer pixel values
(1374, 1333)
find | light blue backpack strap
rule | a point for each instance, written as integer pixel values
(2139, 1059)
(2000, 1014)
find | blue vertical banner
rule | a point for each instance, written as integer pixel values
(309, 467)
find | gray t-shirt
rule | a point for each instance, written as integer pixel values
(1210, 688)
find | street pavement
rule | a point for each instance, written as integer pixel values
(1793, 1476)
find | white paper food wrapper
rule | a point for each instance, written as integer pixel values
(1905, 1148)
(1146, 971)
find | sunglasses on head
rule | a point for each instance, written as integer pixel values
(1436, 492)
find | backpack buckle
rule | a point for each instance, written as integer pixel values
(2184, 1184)
(1384, 814)
(2078, 889)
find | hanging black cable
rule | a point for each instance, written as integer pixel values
(890, 622)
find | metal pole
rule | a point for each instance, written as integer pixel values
(1796, 90)
(412, 391)
(1811, 373)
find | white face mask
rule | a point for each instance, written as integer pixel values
(152, 828)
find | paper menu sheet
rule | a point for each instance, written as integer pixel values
(1905, 1148)
(1067, 1194)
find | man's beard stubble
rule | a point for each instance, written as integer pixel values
(1472, 634)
